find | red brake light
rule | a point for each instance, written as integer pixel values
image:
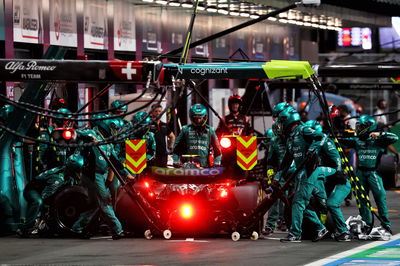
(67, 134)
(223, 193)
(186, 211)
(225, 143)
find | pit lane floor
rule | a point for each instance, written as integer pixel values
(209, 251)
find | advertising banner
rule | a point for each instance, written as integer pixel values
(124, 26)
(63, 23)
(95, 24)
(27, 20)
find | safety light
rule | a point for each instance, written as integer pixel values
(225, 143)
(186, 211)
(64, 135)
(68, 134)
(146, 184)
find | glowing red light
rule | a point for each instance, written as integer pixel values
(186, 211)
(225, 142)
(146, 184)
(224, 193)
(151, 194)
(67, 134)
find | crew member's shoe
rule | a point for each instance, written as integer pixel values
(291, 238)
(267, 231)
(343, 236)
(387, 228)
(320, 235)
(119, 235)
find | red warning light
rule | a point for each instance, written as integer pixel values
(67, 134)
(225, 143)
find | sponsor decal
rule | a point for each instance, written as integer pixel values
(14, 66)
(187, 171)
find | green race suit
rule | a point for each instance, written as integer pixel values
(98, 191)
(369, 151)
(197, 142)
(275, 156)
(302, 140)
(330, 165)
(39, 189)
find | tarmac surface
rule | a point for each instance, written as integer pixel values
(208, 251)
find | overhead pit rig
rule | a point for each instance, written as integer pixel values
(157, 75)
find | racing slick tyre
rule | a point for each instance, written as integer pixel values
(147, 234)
(387, 170)
(167, 234)
(67, 207)
(235, 236)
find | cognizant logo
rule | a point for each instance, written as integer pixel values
(187, 171)
(203, 71)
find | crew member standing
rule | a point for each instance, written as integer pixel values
(163, 135)
(234, 123)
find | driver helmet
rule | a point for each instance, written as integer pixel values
(198, 115)
(365, 124)
(235, 99)
(287, 118)
(119, 106)
(279, 108)
(314, 125)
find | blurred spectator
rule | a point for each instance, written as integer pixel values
(381, 108)
(344, 121)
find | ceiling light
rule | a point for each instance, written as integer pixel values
(234, 13)
(223, 11)
(212, 9)
(162, 2)
(174, 3)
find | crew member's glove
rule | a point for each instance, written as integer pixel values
(177, 165)
(340, 178)
(396, 158)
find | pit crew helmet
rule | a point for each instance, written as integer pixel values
(279, 108)
(314, 125)
(235, 99)
(5, 112)
(287, 118)
(275, 128)
(108, 126)
(73, 166)
(65, 113)
(269, 134)
(119, 107)
(365, 124)
(141, 122)
(74, 162)
(198, 115)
